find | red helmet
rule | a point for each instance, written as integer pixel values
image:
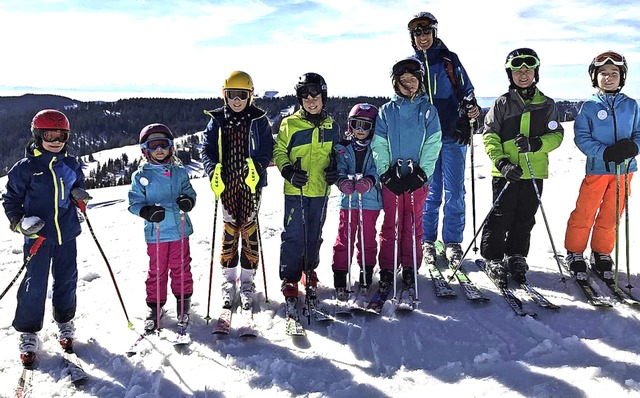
(154, 128)
(50, 119)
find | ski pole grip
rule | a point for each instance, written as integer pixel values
(36, 245)
(252, 175)
(217, 185)
(81, 205)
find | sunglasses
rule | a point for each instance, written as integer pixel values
(609, 56)
(419, 31)
(527, 61)
(155, 143)
(55, 136)
(360, 124)
(236, 94)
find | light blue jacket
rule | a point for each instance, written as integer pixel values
(405, 130)
(154, 184)
(603, 120)
(346, 164)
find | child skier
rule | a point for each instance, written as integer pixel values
(238, 136)
(304, 155)
(161, 193)
(521, 128)
(361, 196)
(40, 202)
(607, 130)
(405, 147)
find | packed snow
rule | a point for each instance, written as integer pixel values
(447, 346)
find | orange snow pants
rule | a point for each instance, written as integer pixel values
(596, 202)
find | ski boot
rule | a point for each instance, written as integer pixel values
(151, 322)
(247, 288)
(518, 268)
(28, 348)
(577, 265)
(408, 294)
(183, 313)
(228, 286)
(602, 264)
(311, 285)
(429, 252)
(290, 292)
(66, 335)
(498, 272)
(453, 252)
(340, 283)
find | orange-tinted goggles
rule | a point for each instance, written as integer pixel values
(55, 136)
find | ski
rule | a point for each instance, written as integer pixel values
(538, 297)
(584, 283)
(620, 295)
(73, 366)
(440, 284)
(135, 348)
(223, 324)
(321, 312)
(514, 302)
(25, 382)
(405, 302)
(469, 289)
(376, 303)
(247, 328)
(293, 325)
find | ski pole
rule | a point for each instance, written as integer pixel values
(158, 307)
(363, 273)
(27, 260)
(617, 247)
(395, 240)
(626, 222)
(473, 185)
(544, 216)
(217, 185)
(83, 209)
(305, 233)
(182, 270)
(486, 218)
(252, 181)
(349, 254)
(413, 238)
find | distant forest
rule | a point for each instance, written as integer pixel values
(96, 126)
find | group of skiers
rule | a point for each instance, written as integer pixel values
(404, 158)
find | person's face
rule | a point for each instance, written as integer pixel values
(523, 77)
(312, 104)
(408, 85)
(608, 77)
(54, 140)
(237, 99)
(158, 153)
(422, 37)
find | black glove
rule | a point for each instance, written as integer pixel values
(415, 180)
(620, 151)
(152, 213)
(297, 178)
(185, 203)
(330, 175)
(512, 172)
(463, 132)
(392, 181)
(527, 144)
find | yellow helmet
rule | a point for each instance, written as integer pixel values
(238, 80)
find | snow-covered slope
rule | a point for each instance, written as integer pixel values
(451, 347)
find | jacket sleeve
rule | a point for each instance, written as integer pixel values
(463, 78)
(430, 149)
(380, 144)
(552, 138)
(341, 162)
(280, 150)
(210, 154)
(186, 188)
(13, 198)
(264, 153)
(583, 137)
(491, 136)
(137, 195)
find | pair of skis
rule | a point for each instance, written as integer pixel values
(73, 367)
(441, 285)
(247, 324)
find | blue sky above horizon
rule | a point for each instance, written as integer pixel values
(90, 50)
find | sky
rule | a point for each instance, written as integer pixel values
(446, 347)
(96, 50)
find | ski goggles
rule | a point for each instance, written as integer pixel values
(422, 30)
(360, 124)
(609, 56)
(236, 94)
(401, 68)
(526, 61)
(55, 136)
(155, 143)
(312, 90)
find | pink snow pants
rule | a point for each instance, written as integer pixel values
(168, 261)
(405, 240)
(341, 247)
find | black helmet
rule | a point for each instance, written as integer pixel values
(408, 65)
(609, 57)
(311, 83)
(522, 57)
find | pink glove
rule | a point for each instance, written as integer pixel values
(346, 186)
(365, 184)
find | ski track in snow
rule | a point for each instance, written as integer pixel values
(450, 346)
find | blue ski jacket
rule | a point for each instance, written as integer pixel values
(346, 164)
